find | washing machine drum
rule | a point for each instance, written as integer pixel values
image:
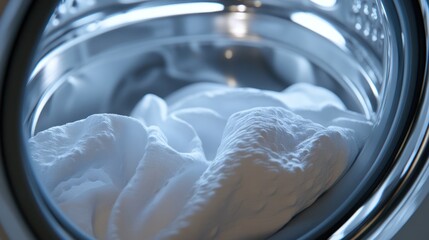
(62, 61)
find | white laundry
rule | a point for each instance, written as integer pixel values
(209, 162)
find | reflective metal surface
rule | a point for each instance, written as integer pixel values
(407, 183)
(10, 220)
(197, 34)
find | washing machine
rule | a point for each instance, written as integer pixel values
(61, 61)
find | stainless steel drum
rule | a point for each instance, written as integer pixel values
(63, 61)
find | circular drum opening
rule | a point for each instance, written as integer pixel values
(107, 58)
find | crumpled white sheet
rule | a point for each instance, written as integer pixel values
(209, 162)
